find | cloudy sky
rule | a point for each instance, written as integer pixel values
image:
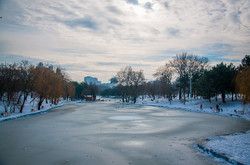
(98, 37)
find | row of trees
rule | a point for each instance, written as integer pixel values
(83, 89)
(20, 80)
(130, 82)
(218, 80)
(193, 78)
(187, 68)
(42, 83)
(186, 75)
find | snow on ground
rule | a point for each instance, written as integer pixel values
(27, 110)
(236, 147)
(207, 107)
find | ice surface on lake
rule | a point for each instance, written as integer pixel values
(126, 118)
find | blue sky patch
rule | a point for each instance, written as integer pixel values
(135, 2)
(86, 22)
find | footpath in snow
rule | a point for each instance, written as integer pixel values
(232, 148)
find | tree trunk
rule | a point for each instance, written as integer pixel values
(180, 94)
(184, 93)
(40, 103)
(5, 107)
(19, 98)
(123, 98)
(24, 99)
(223, 97)
(134, 99)
(232, 96)
(170, 98)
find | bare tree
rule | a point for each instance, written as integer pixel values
(129, 82)
(124, 79)
(186, 65)
(137, 80)
(164, 77)
(48, 85)
(19, 80)
(26, 82)
(10, 81)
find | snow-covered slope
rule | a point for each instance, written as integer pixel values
(30, 108)
(236, 147)
(227, 108)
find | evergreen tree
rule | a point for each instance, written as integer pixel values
(245, 62)
(79, 89)
(206, 85)
(223, 79)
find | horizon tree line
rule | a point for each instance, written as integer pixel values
(20, 80)
(194, 77)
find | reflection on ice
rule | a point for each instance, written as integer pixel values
(126, 118)
(133, 143)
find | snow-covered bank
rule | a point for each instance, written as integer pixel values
(30, 108)
(233, 148)
(227, 109)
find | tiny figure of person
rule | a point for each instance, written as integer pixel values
(217, 108)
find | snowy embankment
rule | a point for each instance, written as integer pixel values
(230, 108)
(233, 148)
(30, 108)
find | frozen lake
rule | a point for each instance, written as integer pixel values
(110, 133)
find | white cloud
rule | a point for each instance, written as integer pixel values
(91, 33)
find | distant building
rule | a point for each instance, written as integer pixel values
(51, 67)
(89, 98)
(92, 80)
